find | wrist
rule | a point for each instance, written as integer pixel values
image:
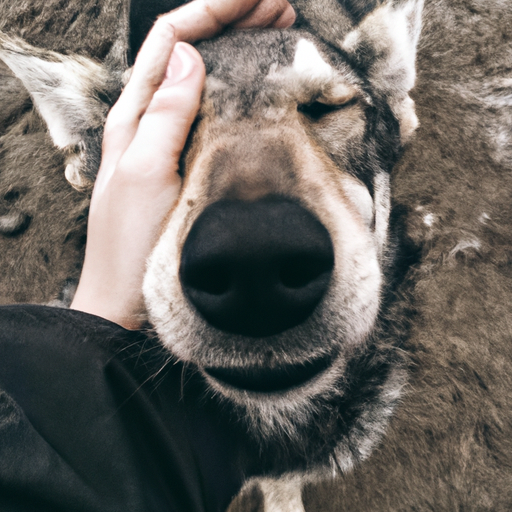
(124, 307)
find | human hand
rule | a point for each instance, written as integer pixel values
(138, 184)
(202, 19)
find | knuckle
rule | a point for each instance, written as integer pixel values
(126, 170)
(162, 103)
(114, 125)
(176, 101)
(114, 116)
(164, 28)
(288, 16)
(120, 118)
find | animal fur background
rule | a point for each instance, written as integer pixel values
(449, 446)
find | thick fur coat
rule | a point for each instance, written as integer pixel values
(448, 444)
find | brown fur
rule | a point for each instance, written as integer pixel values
(448, 446)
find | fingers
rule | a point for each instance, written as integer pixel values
(202, 19)
(163, 129)
(287, 18)
(147, 75)
(268, 13)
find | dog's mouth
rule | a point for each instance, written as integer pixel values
(270, 380)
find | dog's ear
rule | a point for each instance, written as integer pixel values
(71, 94)
(380, 38)
(383, 46)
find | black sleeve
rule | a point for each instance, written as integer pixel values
(93, 419)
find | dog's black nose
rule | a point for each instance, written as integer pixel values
(256, 268)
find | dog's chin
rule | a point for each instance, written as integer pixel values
(267, 384)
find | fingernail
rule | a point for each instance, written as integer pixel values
(180, 66)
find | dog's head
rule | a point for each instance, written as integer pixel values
(270, 274)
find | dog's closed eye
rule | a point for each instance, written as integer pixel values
(316, 109)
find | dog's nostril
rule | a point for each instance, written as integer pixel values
(211, 279)
(300, 271)
(256, 268)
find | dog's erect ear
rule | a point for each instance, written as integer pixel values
(71, 94)
(380, 38)
(384, 46)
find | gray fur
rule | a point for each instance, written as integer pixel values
(448, 444)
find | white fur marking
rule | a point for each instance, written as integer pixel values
(309, 63)
(73, 173)
(283, 495)
(429, 219)
(464, 245)
(361, 199)
(382, 205)
(484, 218)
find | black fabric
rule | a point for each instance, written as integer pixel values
(142, 16)
(93, 419)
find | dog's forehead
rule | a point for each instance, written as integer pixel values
(244, 55)
(256, 64)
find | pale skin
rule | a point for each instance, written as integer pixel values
(145, 132)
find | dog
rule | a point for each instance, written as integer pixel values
(274, 276)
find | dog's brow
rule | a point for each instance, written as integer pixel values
(315, 79)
